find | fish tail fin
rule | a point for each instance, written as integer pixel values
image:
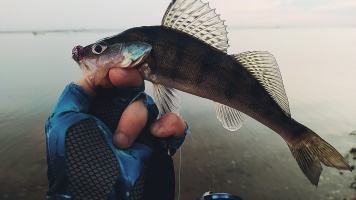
(311, 151)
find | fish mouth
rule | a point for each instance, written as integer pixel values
(77, 53)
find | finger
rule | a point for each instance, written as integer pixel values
(168, 125)
(125, 77)
(132, 121)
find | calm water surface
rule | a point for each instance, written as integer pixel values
(318, 68)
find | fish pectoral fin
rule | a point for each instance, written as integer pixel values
(230, 118)
(263, 66)
(167, 99)
(198, 20)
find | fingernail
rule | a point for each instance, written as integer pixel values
(155, 127)
(122, 140)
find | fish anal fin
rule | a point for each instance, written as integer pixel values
(263, 66)
(230, 118)
(167, 99)
(198, 20)
(311, 151)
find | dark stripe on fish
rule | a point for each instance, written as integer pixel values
(179, 55)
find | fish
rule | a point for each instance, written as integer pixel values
(188, 52)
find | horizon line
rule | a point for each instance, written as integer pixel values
(44, 31)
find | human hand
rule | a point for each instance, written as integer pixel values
(134, 117)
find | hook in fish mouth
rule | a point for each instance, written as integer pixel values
(77, 53)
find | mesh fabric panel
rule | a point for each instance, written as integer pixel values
(92, 168)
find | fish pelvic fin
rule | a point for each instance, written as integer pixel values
(167, 99)
(230, 118)
(197, 19)
(311, 151)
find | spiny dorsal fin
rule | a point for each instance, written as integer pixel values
(167, 99)
(263, 66)
(230, 118)
(199, 20)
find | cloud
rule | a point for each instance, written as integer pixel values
(338, 5)
(52, 14)
(106, 14)
(287, 12)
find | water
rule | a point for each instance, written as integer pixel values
(318, 68)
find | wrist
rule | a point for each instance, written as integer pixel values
(88, 87)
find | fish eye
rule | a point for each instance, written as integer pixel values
(98, 48)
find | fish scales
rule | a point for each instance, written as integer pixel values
(180, 61)
(192, 58)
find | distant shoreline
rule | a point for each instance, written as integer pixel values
(39, 32)
(44, 31)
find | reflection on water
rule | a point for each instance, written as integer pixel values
(319, 76)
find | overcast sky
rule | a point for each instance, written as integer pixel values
(113, 14)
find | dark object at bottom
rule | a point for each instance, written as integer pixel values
(160, 179)
(219, 196)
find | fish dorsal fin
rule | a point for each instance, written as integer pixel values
(230, 118)
(198, 20)
(263, 66)
(167, 99)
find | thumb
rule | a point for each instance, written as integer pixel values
(128, 77)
